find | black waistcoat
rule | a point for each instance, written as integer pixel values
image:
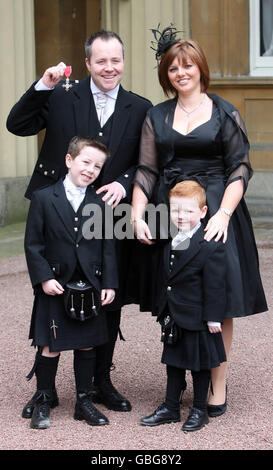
(100, 133)
(76, 217)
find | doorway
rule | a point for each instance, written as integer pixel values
(61, 29)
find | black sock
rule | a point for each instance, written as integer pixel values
(175, 384)
(84, 368)
(201, 381)
(45, 371)
(105, 352)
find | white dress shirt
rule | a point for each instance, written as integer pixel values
(181, 236)
(109, 107)
(40, 86)
(75, 194)
(111, 99)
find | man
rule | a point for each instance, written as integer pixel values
(82, 111)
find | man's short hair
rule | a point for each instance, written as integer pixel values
(105, 36)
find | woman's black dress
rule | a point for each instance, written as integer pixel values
(216, 151)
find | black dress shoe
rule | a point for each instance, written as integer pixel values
(29, 407)
(110, 397)
(40, 418)
(162, 415)
(217, 410)
(85, 410)
(197, 419)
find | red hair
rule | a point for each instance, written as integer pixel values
(189, 189)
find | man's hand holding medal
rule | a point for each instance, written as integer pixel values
(54, 74)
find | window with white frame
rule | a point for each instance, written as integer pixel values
(261, 38)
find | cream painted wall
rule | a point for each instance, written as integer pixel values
(133, 20)
(17, 58)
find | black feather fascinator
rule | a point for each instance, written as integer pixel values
(164, 40)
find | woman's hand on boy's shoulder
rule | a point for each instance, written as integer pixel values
(217, 227)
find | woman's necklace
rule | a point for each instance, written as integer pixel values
(188, 113)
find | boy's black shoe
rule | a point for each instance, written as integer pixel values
(196, 420)
(29, 407)
(41, 413)
(110, 397)
(85, 410)
(162, 415)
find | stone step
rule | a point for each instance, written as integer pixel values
(263, 222)
(260, 207)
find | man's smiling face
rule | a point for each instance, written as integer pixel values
(106, 63)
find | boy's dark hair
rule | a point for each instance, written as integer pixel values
(105, 36)
(77, 143)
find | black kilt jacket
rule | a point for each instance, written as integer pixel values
(66, 114)
(193, 282)
(55, 247)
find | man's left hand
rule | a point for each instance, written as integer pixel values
(114, 192)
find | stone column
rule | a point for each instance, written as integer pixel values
(133, 20)
(17, 59)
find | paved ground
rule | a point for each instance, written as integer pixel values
(247, 425)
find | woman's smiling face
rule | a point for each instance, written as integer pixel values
(184, 75)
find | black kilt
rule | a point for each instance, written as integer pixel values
(195, 350)
(70, 334)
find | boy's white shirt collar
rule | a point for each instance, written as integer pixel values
(191, 232)
(75, 194)
(68, 184)
(181, 236)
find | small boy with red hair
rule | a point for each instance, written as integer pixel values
(191, 303)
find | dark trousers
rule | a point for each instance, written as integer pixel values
(176, 384)
(104, 358)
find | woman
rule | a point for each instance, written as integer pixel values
(198, 134)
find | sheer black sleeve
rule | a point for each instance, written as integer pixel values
(236, 150)
(147, 170)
